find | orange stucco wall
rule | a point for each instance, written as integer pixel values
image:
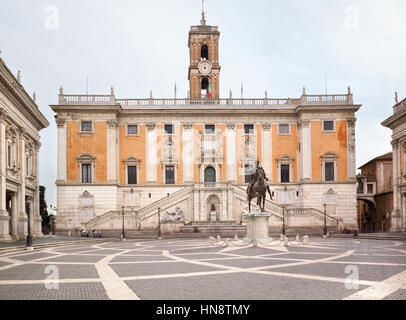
(284, 145)
(329, 142)
(133, 146)
(239, 152)
(94, 144)
(223, 172)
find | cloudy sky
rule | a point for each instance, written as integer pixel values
(141, 45)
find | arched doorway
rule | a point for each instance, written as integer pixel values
(213, 208)
(210, 176)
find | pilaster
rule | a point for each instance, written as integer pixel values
(187, 154)
(267, 149)
(151, 153)
(231, 165)
(112, 145)
(61, 151)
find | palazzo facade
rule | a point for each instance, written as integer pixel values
(20, 124)
(397, 123)
(139, 156)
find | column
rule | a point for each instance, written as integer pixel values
(4, 217)
(351, 165)
(224, 200)
(22, 218)
(36, 219)
(231, 141)
(396, 218)
(14, 216)
(267, 149)
(151, 153)
(61, 150)
(230, 202)
(306, 148)
(187, 154)
(196, 204)
(112, 151)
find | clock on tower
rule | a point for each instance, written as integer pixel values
(204, 68)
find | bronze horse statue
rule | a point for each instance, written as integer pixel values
(257, 189)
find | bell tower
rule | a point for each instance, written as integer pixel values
(204, 68)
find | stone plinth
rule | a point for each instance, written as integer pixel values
(257, 225)
(172, 227)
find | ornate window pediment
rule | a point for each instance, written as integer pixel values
(86, 157)
(131, 160)
(329, 155)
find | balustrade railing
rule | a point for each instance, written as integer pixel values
(226, 103)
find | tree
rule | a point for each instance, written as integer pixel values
(43, 207)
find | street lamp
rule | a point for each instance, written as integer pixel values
(122, 231)
(159, 224)
(29, 245)
(325, 220)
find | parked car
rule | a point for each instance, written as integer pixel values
(97, 234)
(84, 233)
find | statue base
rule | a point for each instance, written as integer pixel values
(257, 225)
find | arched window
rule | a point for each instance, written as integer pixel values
(210, 175)
(205, 83)
(204, 52)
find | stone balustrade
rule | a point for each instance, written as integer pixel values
(230, 103)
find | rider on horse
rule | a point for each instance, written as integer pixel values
(254, 177)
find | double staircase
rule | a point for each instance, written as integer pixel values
(309, 220)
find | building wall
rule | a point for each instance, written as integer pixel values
(78, 143)
(324, 142)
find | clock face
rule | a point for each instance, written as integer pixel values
(205, 67)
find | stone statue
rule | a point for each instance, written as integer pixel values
(176, 216)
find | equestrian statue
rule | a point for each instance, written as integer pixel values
(257, 188)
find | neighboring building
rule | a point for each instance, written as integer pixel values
(198, 153)
(20, 124)
(397, 122)
(375, 194)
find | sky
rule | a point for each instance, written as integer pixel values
(141, 45)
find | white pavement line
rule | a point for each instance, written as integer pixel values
(310, 277)
(179, 275)
(115, 287)
(207, 264)
(16, 263)
(381, 289)
(365, 263)
(15, 282)
(345, 254)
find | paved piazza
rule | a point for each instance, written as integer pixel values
(183, 269)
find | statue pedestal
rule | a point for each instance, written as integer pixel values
(257, 225)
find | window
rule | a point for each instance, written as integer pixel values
(370, 188)
(9, 155)
(249, 129)
(210, 174)
(169, 174)
(329, 171)
(168, 129)
(248, 173)
(285, 173)
(209, 129)
(328, 125)
(204, 52)
(283, 129)
(86, 126)
(132, 129)
(86, 173)
(132, 174)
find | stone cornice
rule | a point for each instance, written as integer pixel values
(17, 91)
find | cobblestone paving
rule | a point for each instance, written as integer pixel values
(193, 269)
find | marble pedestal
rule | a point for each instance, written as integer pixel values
(257, 225)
